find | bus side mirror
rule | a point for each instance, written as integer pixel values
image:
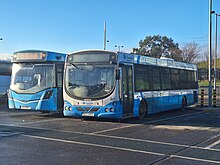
(117, 74)
(37, 77)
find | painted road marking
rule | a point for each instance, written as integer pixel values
(116, 137)
(124, 148)
(213, 144)
(122, 138)
(196, 159)
(25, 123)
(95, 145)
(121, 148)
(17, 114)
(101, 135)
(40, 121)
(147, 122)
(7, 133)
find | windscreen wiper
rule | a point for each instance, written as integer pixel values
(74, 65)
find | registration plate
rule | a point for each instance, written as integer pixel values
(25, 107)
(88, 114)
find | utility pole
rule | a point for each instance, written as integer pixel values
(119, 47)
(105, 36)
(210, 53)
(216, 47)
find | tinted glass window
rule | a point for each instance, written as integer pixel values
(165, 78)
(175, 79)
(141, 78)
(156, 78)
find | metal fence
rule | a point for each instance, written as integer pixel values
(203, 74)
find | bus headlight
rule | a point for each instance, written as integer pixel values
(68, 108)
(106, 109)
(111, 109)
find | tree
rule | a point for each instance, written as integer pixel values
(157, 46)
(190, 52)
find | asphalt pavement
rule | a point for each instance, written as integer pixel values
(174, 137)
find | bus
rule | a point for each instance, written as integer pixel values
(117, 85)
(37, 81)
(5, 79)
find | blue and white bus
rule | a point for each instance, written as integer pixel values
(5, 79)
(118, 85)
(36, 81)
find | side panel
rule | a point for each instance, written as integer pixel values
(165, 100)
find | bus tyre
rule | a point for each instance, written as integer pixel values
(142, 110)
(183, 104)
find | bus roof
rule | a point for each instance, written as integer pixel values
(37, 56)
(145, 60)
(91, 50)
(35, 50)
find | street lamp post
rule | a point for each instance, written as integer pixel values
(105, 40)
(105, 36)
(210, 53)
(216, 47)
(119, 47)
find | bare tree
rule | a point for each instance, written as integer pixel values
(190, 52)
(206, 55)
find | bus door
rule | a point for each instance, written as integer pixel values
(59, 70)
(127, 90)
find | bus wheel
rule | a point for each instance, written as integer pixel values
(142, 110)
(184, 103)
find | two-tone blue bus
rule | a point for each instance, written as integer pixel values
(5, 79)
(37, 81)
(105, 84)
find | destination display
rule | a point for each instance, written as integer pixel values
(26, 56)
(91, 57)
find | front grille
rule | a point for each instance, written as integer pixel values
(80, 109)
(94, 109)
(87, 109)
